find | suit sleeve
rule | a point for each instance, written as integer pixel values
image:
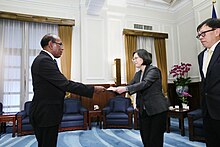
(150, 77)
(49, 71)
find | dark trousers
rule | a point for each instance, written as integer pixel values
(152, 129)
(46, 136)
(212, 131)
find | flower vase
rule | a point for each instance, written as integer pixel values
(181, 89)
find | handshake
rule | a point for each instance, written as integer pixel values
(120, 89)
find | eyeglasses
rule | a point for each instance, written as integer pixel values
(204, 33)
(135, 58)
(60, 44)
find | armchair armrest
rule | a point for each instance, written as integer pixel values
(195, 114)
(106, 110)
(22, 114)
(130, 108)
(82, 110)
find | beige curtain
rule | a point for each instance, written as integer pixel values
(130, 47)
(65, 33)
(160, 50)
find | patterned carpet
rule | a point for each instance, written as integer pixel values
(101, 138)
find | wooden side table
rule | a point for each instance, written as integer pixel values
(180, 113)
(9, 118)
(98, 115)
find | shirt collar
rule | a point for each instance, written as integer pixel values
(214, 45)
(49, 54)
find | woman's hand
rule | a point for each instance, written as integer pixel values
(98, 89)
(120, 89)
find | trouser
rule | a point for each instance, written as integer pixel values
(212, 131)
(46, 136)
(152, 129)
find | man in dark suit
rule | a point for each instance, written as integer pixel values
(50, 86)
(209, 66)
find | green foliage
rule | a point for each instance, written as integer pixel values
(183, 100)
(181, 81)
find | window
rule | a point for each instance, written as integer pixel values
(19, 45)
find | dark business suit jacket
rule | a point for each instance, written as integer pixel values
(211, 84)
(149, 91)
(50, 86)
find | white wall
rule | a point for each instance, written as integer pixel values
(186, 40)
(97, 40)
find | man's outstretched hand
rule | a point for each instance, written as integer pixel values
(98, 89)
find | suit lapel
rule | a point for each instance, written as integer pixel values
(201, 56)
(146, 70)
(215, 56)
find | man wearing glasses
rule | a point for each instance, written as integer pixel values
(209, 66)
(50, 86)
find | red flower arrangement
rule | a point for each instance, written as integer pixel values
(180, 72)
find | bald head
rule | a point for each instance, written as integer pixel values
(53, 44)
(47, 38)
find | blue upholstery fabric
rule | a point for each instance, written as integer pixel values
(25, 113)
(198, 123)
(119, 106)
(118, 113)
(71, 117)
(74, 115)
(196, 130)
(26, 120)
(27, 106)
(24, 126)
(1, 108)
(71, 107)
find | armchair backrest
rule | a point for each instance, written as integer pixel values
(27, 106)
(1, 108)
(71, 105)
(119, 104)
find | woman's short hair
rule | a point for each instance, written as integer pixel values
(145, 55)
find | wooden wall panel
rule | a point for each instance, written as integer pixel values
(100, 99)
(194, 90)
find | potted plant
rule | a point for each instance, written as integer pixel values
(181, 78)
(184, 98)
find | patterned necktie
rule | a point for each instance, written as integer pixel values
(208, 58)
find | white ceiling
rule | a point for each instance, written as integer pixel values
(94, 6)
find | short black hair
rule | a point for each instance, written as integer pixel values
(46, 39)
(145, 55)
(210, 22)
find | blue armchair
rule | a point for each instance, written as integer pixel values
(1, 108)
(23, 124)
(2, 125)
(195, 122)
(74, 115)
(118, 113)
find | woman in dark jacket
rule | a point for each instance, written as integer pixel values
(151, 102)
